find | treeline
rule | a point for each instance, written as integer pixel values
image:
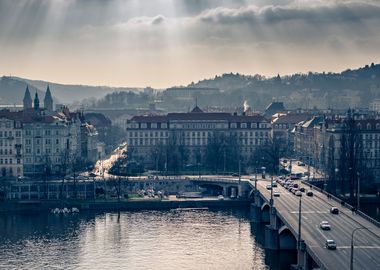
(223, 153)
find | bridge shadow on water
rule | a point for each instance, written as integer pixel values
(275, 259)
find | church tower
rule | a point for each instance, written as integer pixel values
(27, 99)
(36, 102)
(48, 100)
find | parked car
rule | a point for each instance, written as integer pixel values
(324, 225)
(269, 187)
(295, 185)
(300, 163)
(309, 193)
(334, 210)
(330, 244)
(276, 194)
(274, 184)
(302, 189)
(220, 197)
(298, 193)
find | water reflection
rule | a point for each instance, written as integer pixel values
(133, 240)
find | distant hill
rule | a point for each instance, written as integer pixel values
(350, 88)
(12, 90)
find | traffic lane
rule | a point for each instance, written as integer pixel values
(316, 216)
(311, 235)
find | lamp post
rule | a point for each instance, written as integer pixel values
(358, 193)
(271, 192)
(299, 229)
(352, 246)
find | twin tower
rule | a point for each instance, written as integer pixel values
(48, 100)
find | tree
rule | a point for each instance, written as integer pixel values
(269, 154)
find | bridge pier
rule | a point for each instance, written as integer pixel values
(255, 213)
(271, 230)
(271, 237)
(303, 257)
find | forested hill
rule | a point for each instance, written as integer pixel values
(349, 88)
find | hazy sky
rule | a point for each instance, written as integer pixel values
(162, 43)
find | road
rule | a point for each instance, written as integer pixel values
(316, 209)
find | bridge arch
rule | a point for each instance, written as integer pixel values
(212, 189)
(232, 191)
(265, 213)
(286, 239)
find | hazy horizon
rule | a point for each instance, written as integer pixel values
(167, 43)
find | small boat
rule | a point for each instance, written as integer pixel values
(74, 210)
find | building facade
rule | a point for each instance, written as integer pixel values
(194, 130)
(10, 147)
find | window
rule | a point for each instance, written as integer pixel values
(18, 161)
(233, 125)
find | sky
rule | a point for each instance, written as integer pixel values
(162, 43)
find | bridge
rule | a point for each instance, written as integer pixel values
(281, 216)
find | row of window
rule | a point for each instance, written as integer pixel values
(47, 132)
(29, 160)
(195, 134)
(38, 141)
(8, 151)
(190, 141)
(9, 161)
(38, 151)
(6, 133)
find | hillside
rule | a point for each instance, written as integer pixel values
(350, 88)
(12, 90)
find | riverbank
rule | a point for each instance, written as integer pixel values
(142, 204)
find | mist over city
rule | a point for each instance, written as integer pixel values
(190, 134)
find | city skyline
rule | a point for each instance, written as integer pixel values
(167, 43)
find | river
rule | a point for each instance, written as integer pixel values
(197, 239)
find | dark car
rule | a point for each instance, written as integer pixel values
(330, 244)
(309, 193)
(302, 189)
(334, 210)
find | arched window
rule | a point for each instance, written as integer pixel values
(369, 126)
(359, 126)
(378, 126)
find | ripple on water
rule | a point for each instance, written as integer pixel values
(130, 240)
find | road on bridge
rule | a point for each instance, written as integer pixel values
(316, 209)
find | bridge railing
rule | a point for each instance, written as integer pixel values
(343, 203)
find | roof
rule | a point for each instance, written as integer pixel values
(291, 118)
(276, 106)
(198, 117)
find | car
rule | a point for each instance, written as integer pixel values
(269, 187)
(309, 193)
(274, 184)
(330, 244)
(295, 185)
(334, 210)
(220, 197)
(302, 189)
(276, 194)
(298, 193)
(301, 164)
(235, 174)
(324, 225)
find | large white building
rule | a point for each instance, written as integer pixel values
(193, 130)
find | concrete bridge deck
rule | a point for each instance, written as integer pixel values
(316, 209)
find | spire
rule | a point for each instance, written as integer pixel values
(48, 100)
(27, 99)
(36, 102)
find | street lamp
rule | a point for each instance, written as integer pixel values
(352, 246)
(358, 193)
(299, 229)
